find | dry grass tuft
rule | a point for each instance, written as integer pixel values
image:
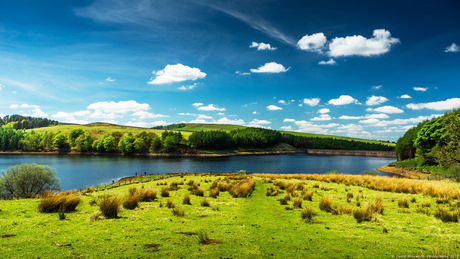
(178, 212)
(307, 195)
(96, 216)
(198, 192)
(446, 216)
(307, 214)
(110, 206)
(132, 201)
(426, 204)
(403, 203)
(146, 195)
(349, 195)
(186, 200)
(285, 199)
(297, 203)
(272, 191)
(55, 202)
(170, 204)
(205, 203)
(342, 210)
(325, 204)
(367, 213)
(214, 193)
(165, 192)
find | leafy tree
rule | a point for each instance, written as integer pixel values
(126, 144)
(26, 180)
(109, 144)
(60, 140)
(88, 142)
(74, 134)
(169, 144)
(449, 152)
(429, 139)
(156, 145)
(139, 145)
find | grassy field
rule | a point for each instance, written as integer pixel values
(253, 227)
(209, 127)
(312, 135)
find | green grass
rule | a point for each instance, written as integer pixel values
(312, 135)
(209, 127)
(253, 227)
(417, 164)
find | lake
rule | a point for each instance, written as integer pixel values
(80, 171)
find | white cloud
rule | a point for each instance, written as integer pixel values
(310, 127)
(420, 89)
(70, 117)
(14, 106)
(24, 105)
(148, 115)
(220, 113)
(261, 46)
(286, 127)
(110, 79)
(120, 107)
(282, 102)
(369, 121)
(377, 87)
(288, 120)
(375, 100)
(209, 107)
(110, 121)
(224, 120)
(254, 112)
(259, 122)
(322, 117)
(380, 43)
(385, 109)
(329, 62)
(300, 105)
(159, 123)
(343, 99)
(367, 116)
(324, 110)
(271, 67)
(176, 73)
(39, 113)
(188, 114)
(452, 48)
(405, 96)
(448, 104)
(188, 87)
(197, 104)
(274, 108)
(202, 116)
(97, 114)
(313, 43)
(406, 121)
(312, 101)
(198, 121)
(242, 73)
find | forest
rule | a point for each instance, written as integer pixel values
(26, 122)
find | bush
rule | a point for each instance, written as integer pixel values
(59, 202)
(110, 206)
(28, 180)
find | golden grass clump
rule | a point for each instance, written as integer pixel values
(165, 192)
(282, 185)
(170, 204)
(96, 216)
(198, 192)
(59, 202)
(307, 195)
(178, 212)
(110, 206)
(325, 204)
(367, 213)
(285, 199)
(297, 203)
(146, 195)
(214, 193)
(205, 203)
(223, 187)
(307, 214)
(342, 210)
(349, 195)
(132, 201)
(403, 203)
(186, 200)
(272, 191)
(446, 216)
(426, 204)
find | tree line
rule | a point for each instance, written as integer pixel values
(433, 142)
(26, 122)
(333, 143)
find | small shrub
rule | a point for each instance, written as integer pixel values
(165, 192)
(214, 193)
(132, 201)
(403, 203)
(316, 186)
(146, 195)
(170, 204)
(205, 203)
(325, 204)
(64, 201)
(307, 214)
(186, 200)
(446, 216)
(96, 216)
(110, 206)
(297, 203)
(324, 188)
(178, 212)
(362, 214)
(191, 183)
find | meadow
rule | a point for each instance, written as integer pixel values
(239, 216)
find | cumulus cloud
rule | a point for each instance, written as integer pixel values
(37, 113)
(343, 99)
(324, 110)
(209, 107)
(98, 114)
(271, 67)
(385, 109)
(259, 122)
(313, 43)
(377, 87)
(110, 79)
(322, 117)
(197, 104)
(329, 62)
(70, 117)
(148, 115)
(312, 101)
(420, 89)
(308, 126)
(220, 113)
(24, 105)
(188, 87)
(282, 102)
(224, 120)
(367, 116)
(452, 48)
(261, 46)
(380, 43)
(198, 121)
(176, 73)
(274, 108)
(288, 120)
(254, 112)
(448, 104)
(405, 121)
(242, 73)
(159, 123)
(119, 107)
(405, 96)
(286, 127)
(375, 100)
(202, 116)
(139, 124)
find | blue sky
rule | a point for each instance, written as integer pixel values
(369, 69)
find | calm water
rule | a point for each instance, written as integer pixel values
(78, 172)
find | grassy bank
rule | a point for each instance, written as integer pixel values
(254, 227)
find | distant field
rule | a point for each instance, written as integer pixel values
(209, 127)
(312, 135)
(98, 129)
